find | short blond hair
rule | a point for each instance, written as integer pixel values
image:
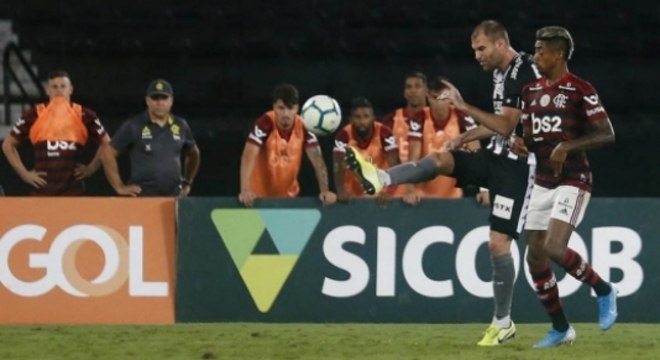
(559, 37)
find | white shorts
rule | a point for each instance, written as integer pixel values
(565, 203)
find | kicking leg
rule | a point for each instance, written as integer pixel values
(425, 169)
(374, 179)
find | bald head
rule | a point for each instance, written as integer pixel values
(492, 29)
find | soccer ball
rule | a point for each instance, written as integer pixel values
(321, 114)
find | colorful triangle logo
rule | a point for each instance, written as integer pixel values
(264, 275)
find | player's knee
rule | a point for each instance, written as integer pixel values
(535, 257)
(444, 161)
(437, 157)
(554, 251)
(499, 243)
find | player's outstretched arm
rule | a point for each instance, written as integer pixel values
(326, 196)
(599, 134)
(503, 123)
(248, 159)
(338, 171)
(470, 137)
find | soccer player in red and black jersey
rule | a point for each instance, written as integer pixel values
(562, 117)
(58, 131)
(414, 92)
(432, 134)
(274, 149)
(401, 122)
(374, 140)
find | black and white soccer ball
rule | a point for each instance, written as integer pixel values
(321, 114)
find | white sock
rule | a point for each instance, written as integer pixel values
(503, 323)
(384, 178)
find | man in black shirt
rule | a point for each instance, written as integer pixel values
(155, 141)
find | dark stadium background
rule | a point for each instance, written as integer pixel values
(224, 57)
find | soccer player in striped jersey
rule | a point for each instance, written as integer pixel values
(274, 149)
(430, 134)
(507, 175)
(400, 121)
(373, 139)
(58, 130)
(562, 117)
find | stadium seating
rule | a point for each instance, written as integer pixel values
(224, 58)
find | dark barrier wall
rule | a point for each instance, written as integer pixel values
(293, 261)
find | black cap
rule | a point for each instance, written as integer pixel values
(160, 87)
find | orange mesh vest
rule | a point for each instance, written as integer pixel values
(432, 140)
(277, 166)
(60, 120)
(373, 152)
(400, 130)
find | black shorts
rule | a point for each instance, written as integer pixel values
(509, 183)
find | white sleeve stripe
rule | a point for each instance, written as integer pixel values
(256, 139)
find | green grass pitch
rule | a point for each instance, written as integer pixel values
(318, 341)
